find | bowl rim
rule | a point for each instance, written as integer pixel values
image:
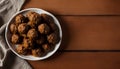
(38, 58)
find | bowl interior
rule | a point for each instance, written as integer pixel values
(13, 47)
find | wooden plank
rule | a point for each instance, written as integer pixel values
(90, 32)
(77, 7)
(83, 60)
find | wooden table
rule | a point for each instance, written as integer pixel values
(91, 34)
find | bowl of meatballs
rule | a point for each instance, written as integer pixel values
(33, 34)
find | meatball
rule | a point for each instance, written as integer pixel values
(53, 38)
(13, 28)
(43, 29)
(21, 50)
(23, 28)
(15, 38)
(54, 27)
(47, 18)
(37, 52)
(34, 17)
(27, 43)
(46, 47)
(32, 34)
(31, 24)
(19, 19)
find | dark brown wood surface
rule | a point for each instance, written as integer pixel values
(91, 34)
(77, 7)
(80, 60)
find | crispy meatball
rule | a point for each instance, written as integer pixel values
(47, 18)
(19, 19)
(34, 17)
(13, 28)
(37, 52)
(27, 43)
(46, 47)
(23, 28)
(32, 34)
(31, 24)
(43, 29)
(53, 38)
(15, 38)
(50, 21)
(54, 27)
(21, 50)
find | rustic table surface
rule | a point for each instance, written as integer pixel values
(91, 34)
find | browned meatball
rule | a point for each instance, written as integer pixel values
(47, 18)
(32, 34)
(31, 24)
(15, 38)
(13, 28)
(23, 28)
(53, 38)
(21, 50)
(50, 21)
(46, 47)
(34, 17)
(43, 29)
(37, 52)
(19, 19)
(54, 27)
(27, 43)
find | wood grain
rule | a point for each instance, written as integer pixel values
(77, 7)
(90, 32)
(83, 60)
(91, 40)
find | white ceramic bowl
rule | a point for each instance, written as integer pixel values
(30, 57)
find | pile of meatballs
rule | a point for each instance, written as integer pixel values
(34, 34)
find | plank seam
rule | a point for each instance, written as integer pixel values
(88, 50)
